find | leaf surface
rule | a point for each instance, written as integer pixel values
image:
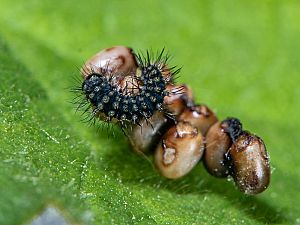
(240, 58)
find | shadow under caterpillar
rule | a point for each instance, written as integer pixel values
(138, 93)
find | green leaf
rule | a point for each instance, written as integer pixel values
(240, 58)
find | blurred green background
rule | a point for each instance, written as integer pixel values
(241, 58)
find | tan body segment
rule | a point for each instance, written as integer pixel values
(179, 151)
(117, 59)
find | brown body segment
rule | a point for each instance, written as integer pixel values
(200, 116)
(179, 150)
(179, 97)
(144, 137)
(251, 168)
(217, 144)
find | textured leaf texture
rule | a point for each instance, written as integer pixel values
(241, 58)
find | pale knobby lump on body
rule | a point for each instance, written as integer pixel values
(138, 93)
(179, 150)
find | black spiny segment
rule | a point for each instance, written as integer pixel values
(233, 127)
(100, 94)
(160, 60)
(155, 76)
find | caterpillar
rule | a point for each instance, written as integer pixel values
(138, 91)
